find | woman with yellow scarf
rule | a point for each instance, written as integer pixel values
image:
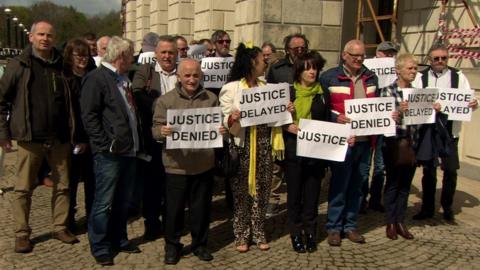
(257, 146)
(304, 175)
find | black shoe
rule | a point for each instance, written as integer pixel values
(129, 248)
(297, 244)
(203, 254)
(172, 256)
(448, 215)
(152, 234)
(104, 260)
(311, 243)
(376, 207)
(422, 215)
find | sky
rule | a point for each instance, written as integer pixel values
(89, 7)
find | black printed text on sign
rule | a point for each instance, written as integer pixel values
(455, 103)
(420, 105)
(216, 71)
(195, 128)
(371, 116)
(384, 68)
(265, 105)
(322, 140)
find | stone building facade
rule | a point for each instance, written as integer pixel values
(328, 24)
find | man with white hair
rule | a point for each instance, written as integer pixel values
(102, 43)
(110, 120)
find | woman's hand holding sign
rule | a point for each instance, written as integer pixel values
(166, 131)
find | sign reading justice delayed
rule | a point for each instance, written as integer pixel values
(264, 105)
(455, 103)
(216, 71)
(195, 128)
(323, 140)
(371, 116)
(420, 105)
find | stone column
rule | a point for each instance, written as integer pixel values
(130, 20)
(272, 20)
(180, 18)
(143, 22)
(159, 16)
(211, 15)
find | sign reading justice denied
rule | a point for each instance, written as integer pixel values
(264, 105)
(195, 128)
(371, 116)
(323, 140)
(216, 71)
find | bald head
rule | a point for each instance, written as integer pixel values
(102, 45)
(353, 55)
(189, 75)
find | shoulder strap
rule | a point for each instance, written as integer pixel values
(425, 77)
(148, 85)
(453, 77)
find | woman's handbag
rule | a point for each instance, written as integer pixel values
(228, 162)
(403, 152)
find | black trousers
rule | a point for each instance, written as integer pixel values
(397, 187)
(449, 165)
(304, 179)
(152, 175)
(82, 169)
(197, 189)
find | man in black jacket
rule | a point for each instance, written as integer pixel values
(34, 95)
(110, 120)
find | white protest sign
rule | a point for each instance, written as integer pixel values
(195, 128)
(323, 140)
(384, 68)
(371, 116)
(455, 103)
(216, 70)
(264, 105)
(420, 105)
(147, 58)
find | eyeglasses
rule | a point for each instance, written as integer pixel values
(80, 56)
(438, 58)
(300, 48)
(356, 55)
(224, 41)
(183, 49)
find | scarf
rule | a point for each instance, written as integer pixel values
(303, 100)
(276, 139)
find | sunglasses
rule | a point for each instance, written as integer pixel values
(356, 55)
(224, 41)
(438, 58)
(183, 49)
(298, 48)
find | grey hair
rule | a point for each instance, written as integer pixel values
(116, 47)
(437, 46)
(100, 39)
(217, 35)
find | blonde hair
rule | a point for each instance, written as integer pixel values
(403, 58)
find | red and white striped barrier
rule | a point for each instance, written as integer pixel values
(463, 44)
(476, 35)
(461, 30)
(465, 53)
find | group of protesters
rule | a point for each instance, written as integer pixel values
(98, 114)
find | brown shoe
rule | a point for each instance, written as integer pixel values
(23, 244)
(403, 231)
(334, 239)
(355, 237)
(391, 231)
(66, 237)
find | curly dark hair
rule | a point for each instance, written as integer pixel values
(78, 46)
(243, 66)
(307, 61)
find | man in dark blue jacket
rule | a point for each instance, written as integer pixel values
(110, 119)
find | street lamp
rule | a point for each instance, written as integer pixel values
(7, 13)
(20, 35)
(15, 30)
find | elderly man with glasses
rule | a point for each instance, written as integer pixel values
(439, 75)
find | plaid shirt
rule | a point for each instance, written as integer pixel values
(394, 91)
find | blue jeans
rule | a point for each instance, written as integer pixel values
(107, 225)
(345, 194)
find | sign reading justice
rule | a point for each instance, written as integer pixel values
(323, 140)
(371, 116)
(195, 128)
(264, 105)
(420, 105)
(455, 103)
